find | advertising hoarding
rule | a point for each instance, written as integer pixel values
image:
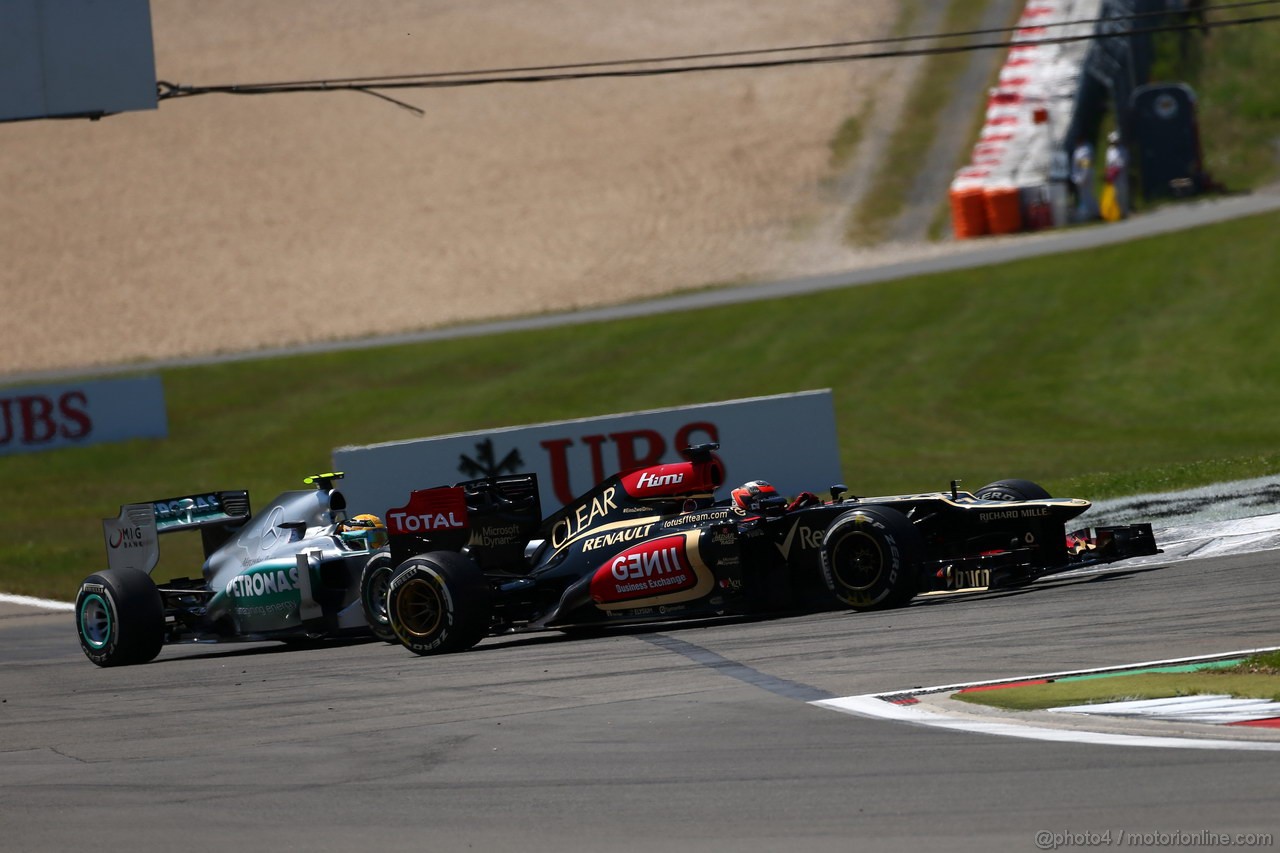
(47, 417)
(788, 440)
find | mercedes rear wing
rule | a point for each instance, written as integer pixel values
(132, 537)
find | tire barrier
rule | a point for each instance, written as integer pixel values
(1017, 175)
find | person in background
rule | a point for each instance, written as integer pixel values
(1117, 178)
(1082, 180)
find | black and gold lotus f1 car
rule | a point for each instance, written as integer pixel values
(476, 559)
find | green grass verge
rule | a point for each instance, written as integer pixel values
(1267, 663)
(1147, 366)
(1126, 688)
(1256, 678)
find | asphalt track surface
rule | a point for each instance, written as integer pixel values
(698, 737)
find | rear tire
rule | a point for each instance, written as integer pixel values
(1012, 490)
(438, 603)
(870, 558)
(119, 617)
(375, 581)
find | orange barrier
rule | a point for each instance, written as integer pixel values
(1004, 213)
(968, 212)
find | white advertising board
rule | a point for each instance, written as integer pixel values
(788, 440)
(46, 417)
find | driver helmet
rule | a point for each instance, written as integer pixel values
(365, 530)
(747, 498)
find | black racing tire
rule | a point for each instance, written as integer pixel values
(119, 617)
(375, 581)
(438, 603)
(870, 559)
(1012, 490)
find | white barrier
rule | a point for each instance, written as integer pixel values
(788, 440)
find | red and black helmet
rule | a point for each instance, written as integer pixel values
(751, 497)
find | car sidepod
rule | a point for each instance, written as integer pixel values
(658, 572)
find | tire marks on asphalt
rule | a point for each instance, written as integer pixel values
(747, 675)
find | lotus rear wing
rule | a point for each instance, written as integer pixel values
(492, 517)
(132, 537)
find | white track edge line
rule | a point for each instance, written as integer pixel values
(874, 707)
(31, 601)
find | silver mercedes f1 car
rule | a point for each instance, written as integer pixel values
(291, 572)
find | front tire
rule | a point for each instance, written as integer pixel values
(870, 558)
(1012, 490)
(375, 582)
(119, 617)
(438, 603)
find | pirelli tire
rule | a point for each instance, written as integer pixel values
(119, 617)
(438, 603)
(1012, 490)
(375, 582)
(870, 559)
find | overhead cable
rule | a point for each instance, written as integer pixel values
(628, 67)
